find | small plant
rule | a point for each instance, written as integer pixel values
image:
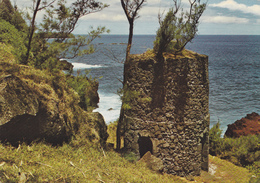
(215, 140)
(127, 96)
(255, 169)
(178, 27)
(131, 157)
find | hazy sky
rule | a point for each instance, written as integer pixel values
(220, 17)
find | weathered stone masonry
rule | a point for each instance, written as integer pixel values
(170, 116)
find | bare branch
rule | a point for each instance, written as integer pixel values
(46, 6)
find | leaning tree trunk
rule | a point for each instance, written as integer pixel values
(120, 124)
(32, 31)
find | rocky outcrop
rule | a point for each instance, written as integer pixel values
(100, 126)
(249, 125)
(152, 162)
(34, 105)
(65, 65)
(16, 99)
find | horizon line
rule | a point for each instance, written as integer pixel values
(195, 36)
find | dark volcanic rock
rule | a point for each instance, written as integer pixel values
(250, 125)
(16, 99)
(153, 163)
(24, 118)
(33, 108)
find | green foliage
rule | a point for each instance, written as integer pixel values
(215, 140)
(111, 130)
(54, 39)
(178, 28)
(12, 15)
(11, 36)
(89, 163)
(242, 151)
(131, 157)
(255, 169)
(127, 96)
(86, 87)
(254, 180)
(6, 52)
(46, 53)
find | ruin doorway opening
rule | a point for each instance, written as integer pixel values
(145, 145)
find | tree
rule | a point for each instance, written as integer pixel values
(58, 23)
(12, 15)
(178, 27)
(32, 27)
(131, 8)
(6, 10)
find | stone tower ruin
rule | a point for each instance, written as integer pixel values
(169, 110)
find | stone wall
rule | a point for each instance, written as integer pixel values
(169, 112)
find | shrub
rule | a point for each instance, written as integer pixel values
(12, 15)
(243, 151)
(11, 36)
(178, 27)
(215, 140)
(6, 52)
(86, 87)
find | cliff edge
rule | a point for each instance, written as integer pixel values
(39, 105)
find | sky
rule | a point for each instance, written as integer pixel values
(221, 17)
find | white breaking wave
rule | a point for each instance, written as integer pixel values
(109, 106)
(77, 66)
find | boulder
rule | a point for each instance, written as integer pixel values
(24, 118)
(100, 126)
(249, 125)
(65, 65)
(34, 107)
(16, 99)
(152, 162)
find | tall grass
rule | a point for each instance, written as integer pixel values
(44, 163)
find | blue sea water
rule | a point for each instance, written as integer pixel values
(234, 72)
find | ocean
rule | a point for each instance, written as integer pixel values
(234, 73)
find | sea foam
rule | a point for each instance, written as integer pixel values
(77, 66)
(109, 106)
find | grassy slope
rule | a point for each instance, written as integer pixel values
(224, 171)
(44, 163)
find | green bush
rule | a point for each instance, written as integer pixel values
(254, 180)
(11, 36)
(255, 169)
(6, 52)
(243, 151)
(86, 87)
(12, 15)
(178, 27)
(215, 140)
